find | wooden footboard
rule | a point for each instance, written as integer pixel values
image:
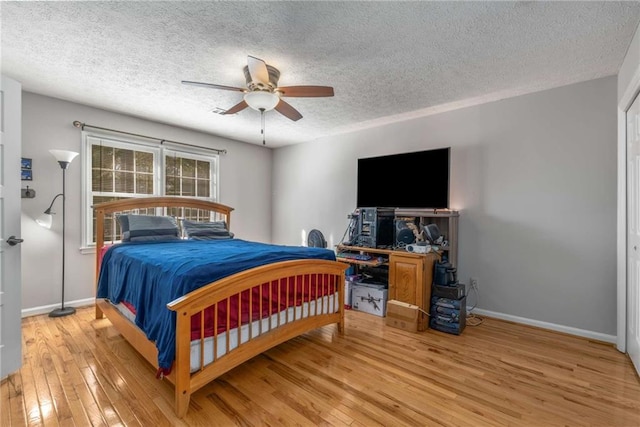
(321, 303)
(318, 314)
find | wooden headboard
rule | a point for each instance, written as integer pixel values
(180, 207)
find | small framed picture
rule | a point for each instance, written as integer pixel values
(25, 163)
(27, 174)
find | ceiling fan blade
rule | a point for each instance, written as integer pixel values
(288, 111)
(212, 86)
(306, 91)
(238, 107)
(258, 70)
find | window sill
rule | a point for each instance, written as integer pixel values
(88, 250)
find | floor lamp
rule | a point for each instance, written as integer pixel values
(64, 158)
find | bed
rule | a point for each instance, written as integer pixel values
(196, 309)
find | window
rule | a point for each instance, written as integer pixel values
(187, 175)
(116, 169)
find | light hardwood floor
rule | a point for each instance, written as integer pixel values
(79, 371)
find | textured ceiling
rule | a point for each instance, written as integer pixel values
(387, 61)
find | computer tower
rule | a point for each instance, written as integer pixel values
(375, 227)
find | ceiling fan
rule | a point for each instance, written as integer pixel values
(262, 92)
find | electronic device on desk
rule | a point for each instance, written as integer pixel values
(354, 256)
(432, 234)
(406, 232)
(375, 227)
(419, 248)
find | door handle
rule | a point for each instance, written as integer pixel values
(13, 240)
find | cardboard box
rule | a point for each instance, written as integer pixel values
(369, 298)
(402, 315)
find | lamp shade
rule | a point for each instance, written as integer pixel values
(63, 155)
(45, 220)
(262, 100)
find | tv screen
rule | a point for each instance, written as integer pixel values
(407, 180)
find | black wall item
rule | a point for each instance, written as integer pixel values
(401, 172)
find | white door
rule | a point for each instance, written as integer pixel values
(633, 232)
(10, 283)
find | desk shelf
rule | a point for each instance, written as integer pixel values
(410, 274)
(445, 219)
(364, 263)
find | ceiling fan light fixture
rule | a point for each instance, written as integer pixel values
(263, 93)
(261, 100)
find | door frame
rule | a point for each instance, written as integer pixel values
(629, 95)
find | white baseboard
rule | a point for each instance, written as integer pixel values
(546, 325)
(48, 308)
(531, 322)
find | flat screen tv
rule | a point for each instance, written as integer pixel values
(408, 180)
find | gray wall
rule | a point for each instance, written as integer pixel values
(245, 182)
(533, 176)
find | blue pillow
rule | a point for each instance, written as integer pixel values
(206, 230)
(141, 228)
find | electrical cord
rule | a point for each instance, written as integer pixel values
(428, 314)
(353, 222)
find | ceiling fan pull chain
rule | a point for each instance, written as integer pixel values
(262, 124)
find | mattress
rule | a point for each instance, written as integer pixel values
(218, 344)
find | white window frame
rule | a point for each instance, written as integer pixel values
(195, 155)
(159, 153)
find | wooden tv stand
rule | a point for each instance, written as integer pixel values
(410, 274)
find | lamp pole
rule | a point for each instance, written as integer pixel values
(64, 205)
(64, 159)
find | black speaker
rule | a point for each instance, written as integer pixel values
(403, 234)
(431, 232)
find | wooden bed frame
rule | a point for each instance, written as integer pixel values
(184, 381)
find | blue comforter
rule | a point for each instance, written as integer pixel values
(149, 275)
